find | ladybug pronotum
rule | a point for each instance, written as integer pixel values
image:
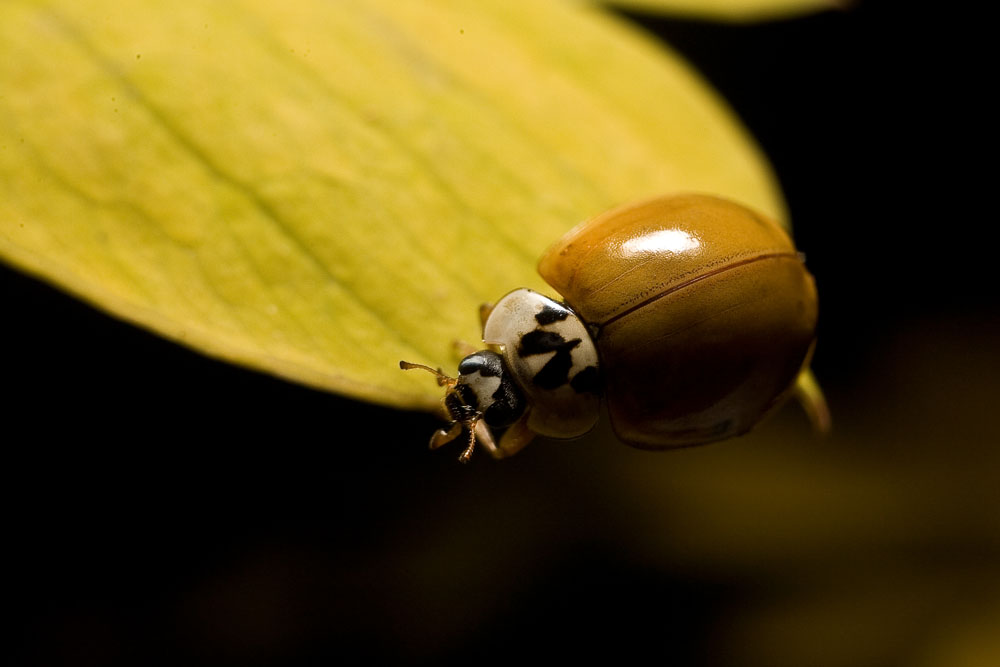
(691, 316)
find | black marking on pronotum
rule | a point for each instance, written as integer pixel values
(538, 341)
(550, 315)
(555, 373)
(586, 381)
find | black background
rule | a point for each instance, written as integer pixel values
(165, 508)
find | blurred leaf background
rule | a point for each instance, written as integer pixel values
(165, 508)
(321, 189)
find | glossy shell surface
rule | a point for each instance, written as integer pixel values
(704, 312)
(552, 358)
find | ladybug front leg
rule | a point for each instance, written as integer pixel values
(443, 436)
(484, 312)
(463, 348)
(481, 432)
(515, 437)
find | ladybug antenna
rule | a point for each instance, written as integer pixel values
(442, 379)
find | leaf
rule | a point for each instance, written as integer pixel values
(317, 189)
(731, 10)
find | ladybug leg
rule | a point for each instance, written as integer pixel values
(484, 436)
(515, 437)
(443, 436)
(478, 431)
(463, 348)
(484, 312)
(467, 452)
(811, 398)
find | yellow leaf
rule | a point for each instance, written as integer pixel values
(731, 10)
(320, 189)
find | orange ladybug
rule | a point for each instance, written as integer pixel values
(691, 316)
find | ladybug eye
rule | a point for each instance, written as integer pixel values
(486, 363)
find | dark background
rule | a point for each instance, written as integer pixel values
(165, 508)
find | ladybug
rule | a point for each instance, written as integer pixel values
(692, 317)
